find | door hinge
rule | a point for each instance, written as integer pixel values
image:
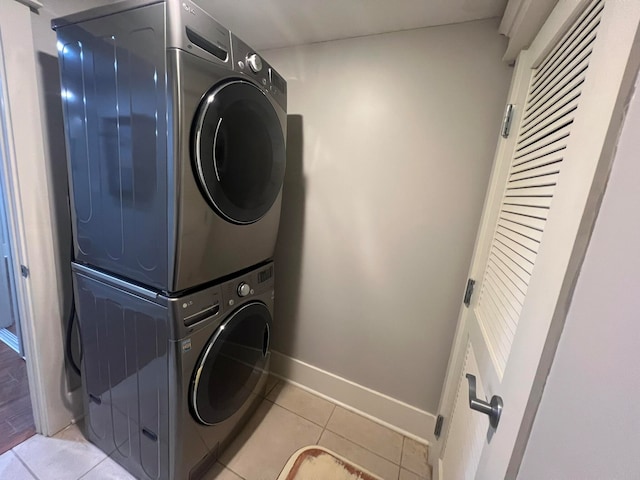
(468, 292)
(24, 270)
(506, 120)
(438, 430)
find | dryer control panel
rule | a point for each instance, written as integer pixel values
(251, 63)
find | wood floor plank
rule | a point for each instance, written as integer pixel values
(16, 416)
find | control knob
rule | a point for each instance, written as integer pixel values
(255, 62)
(243, 289)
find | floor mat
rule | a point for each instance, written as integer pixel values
(318, 463)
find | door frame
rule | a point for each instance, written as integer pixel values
(30, 224)
(606, 134)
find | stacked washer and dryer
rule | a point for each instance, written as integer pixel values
(175, 133)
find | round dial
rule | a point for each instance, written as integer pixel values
(243, 289)
(255, 62)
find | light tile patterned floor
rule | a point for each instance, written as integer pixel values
(290, 418)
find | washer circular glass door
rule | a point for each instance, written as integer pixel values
(231, 364)
(239, 151)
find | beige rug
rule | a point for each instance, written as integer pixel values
(318, 463)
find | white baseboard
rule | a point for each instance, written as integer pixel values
(392, 413)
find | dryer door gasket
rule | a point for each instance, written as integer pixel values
(238, 151)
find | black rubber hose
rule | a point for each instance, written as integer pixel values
(68, 338)
(72, 317)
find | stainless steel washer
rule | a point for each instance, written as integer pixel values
(168, 381)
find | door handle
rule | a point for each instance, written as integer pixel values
(493, 409)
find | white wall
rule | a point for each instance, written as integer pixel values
(33, 217)
(391, 140)
(588, 422)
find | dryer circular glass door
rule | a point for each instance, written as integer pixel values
(239, 151)
(231, 364)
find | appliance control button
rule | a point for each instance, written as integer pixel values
(231, 302)
(254, 62)
(243, 289)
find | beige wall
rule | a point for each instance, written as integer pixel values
(391, 140)
(588, 421)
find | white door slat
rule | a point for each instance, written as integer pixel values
(502, 297)
(571, 97)
(538, 191)
(513, 283)
(516, 263)
(526, 254)
(510, 264)
(554, 148)
(583, 22)
(510, 283)
(539, 202)
(523, 230)
(570, 62)
(548, 113)
(548, 119)
(556, 139)
(551, 125)
(541, 137)
(534, 181)
(553, 94)
(518, 238)
(538, 161)
(569, 88)
(533, 223)
(537, 171)
(526, 211)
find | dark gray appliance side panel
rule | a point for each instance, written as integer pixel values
(113, 74)
(125, 341)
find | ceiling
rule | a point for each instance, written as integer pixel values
(266, 24)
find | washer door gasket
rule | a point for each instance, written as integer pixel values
(231, 364)
(238, 151)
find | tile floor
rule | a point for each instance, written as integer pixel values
(290, 418)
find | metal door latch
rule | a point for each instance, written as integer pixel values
(493, 409)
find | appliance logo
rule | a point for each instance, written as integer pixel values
(188, 8)
(186, 345)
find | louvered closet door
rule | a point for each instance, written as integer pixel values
(548, 116)
(567, 96)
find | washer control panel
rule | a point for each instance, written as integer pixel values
(243, 289)
(196, 309)
(247, 286)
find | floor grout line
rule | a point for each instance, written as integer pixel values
(230, 469)
(363, 447)
(297, 414)
(25, 465)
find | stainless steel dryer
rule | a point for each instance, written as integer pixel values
(176, 143)
(169, 381)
